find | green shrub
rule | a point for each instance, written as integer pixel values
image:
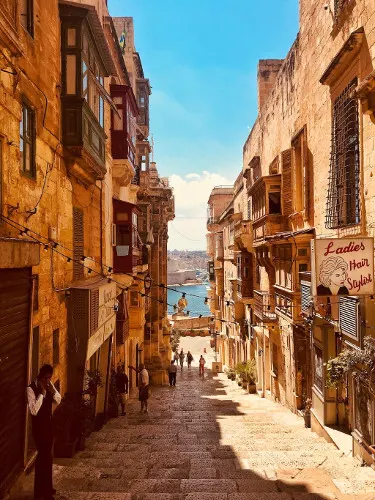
(247, 371)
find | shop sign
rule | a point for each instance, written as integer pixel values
(342, 266)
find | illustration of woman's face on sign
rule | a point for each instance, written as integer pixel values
(332, 276)
(338, 277)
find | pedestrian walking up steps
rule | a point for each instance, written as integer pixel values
(208, 440)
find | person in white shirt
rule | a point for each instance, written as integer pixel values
(41, 394)
(143, 386)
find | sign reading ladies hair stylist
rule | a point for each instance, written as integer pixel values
(343, 266)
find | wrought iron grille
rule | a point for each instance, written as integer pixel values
(343, 200)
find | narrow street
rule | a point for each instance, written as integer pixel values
(208, 440)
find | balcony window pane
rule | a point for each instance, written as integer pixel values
(27, 15)
(118, 120)
(95, 140)
(71, 74)
(27, 134)
(123, 240)
(85, 81)
(274, 201)
(101, 111)
(71, 37)
(27, 164)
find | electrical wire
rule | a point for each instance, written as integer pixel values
(109, 268)
(186, 237)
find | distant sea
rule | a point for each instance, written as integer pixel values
(196, 305)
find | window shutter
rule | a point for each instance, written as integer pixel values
(307, 184)
(78, 270)
(287, 188)
(349, 316)
(94, 310)
(305, 296)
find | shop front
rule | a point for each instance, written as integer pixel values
(91, 331)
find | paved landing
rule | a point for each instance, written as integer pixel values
(207, 439)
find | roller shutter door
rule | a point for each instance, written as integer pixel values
(15, 290)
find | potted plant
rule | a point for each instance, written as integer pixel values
(64, 419)
(240, 371)
(250, 375)
(73, 423)
(230, 373)
(307, 413)
(73, 418)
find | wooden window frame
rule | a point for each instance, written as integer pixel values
(28, 24)
(300, 173)
(27, 115)
(284, 266)
(78, 246)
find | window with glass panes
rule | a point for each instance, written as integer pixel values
(284, 265)
(92, 78)
(27, 141)
(27, 15)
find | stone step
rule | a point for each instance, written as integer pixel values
(215, 451)
(98, 495)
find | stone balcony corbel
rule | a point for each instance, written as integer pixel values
(365, 92)
(123, 171)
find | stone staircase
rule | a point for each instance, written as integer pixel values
(208, 440)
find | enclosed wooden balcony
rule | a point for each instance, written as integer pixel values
(267, 226)
(126, 242)
(243, 234)
(245, 275)
(287, 303)
(264, 306)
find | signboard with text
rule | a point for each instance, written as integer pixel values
(342, 266)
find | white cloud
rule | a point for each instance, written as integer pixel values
(188, 230)
(192, 176)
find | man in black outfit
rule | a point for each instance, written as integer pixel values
(122, 383)
(41, 394)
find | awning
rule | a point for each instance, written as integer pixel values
(289, 234)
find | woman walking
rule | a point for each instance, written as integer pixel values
(202, 362)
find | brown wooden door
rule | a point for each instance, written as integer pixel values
(15, 290)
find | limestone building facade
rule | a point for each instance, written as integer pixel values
(308, 172)
(78, 231)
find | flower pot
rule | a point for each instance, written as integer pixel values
(252, 388)
(307, 419)
(244, 385)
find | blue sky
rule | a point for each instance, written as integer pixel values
(201, 57)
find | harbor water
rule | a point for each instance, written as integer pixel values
(196, 305)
